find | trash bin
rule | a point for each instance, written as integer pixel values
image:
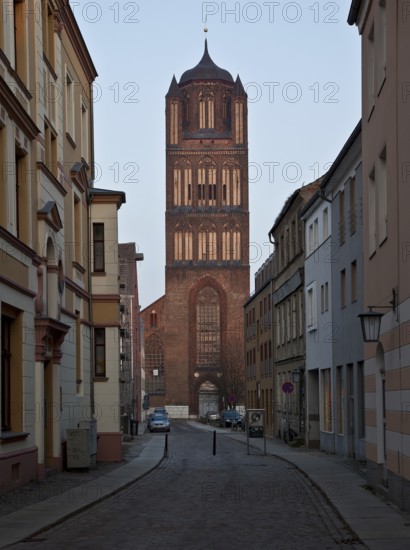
(136, 422)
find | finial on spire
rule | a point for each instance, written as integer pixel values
(205, 29)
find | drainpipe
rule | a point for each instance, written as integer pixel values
(90, 305)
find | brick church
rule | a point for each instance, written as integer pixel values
(189, 330)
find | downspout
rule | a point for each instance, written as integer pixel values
(90, 303)
(90, 308)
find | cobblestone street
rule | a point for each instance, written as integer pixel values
(195, 500)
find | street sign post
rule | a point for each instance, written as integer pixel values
(287, 387)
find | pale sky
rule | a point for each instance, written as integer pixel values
(299, 63)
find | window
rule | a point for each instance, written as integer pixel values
(84, 132)
(325, 224)
(206, 111)
(372, 212)
(3, 178)
(239, 133)
(183, 242)
(98, 238)
(341, 217)
(70, 106)
(316, 233)
(324, 297)
(343, 288)
(6, 372)
(183, 184)
(382, 44)
(153, 319)
(99, 351)
(48, 31)
(77, 230)
(369, 63)
(340, 399)
(21, 196)
(173, 125)
(154, 366)
(231, 244)
(294, 316)
(327, 413)
(311, 313)
(352, 210)
(207, 243)
(20, 38)
(353, 280)
(208, 328)
(382, 196)
(207, 183)
(50, 150)
(360, 398)
(79, 348)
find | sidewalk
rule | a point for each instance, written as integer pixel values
(74, 491)
(378, 523)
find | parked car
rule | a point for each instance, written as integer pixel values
(230, 417)
(161, 410)
(212, 416)
(159, 423)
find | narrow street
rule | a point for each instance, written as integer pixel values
(195, 500)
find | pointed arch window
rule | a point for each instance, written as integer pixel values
(206, 110)
(182, 183)
(231, 184)
(208, 328)
(207, 183)
(226, 109)
(183, 242)
(154, 366)
(153, 319)
(173, 125)
(185, 109)
(231, 243)
(239, 122)
(207, 243)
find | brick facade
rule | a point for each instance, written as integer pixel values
(207, 237)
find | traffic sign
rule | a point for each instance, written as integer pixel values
(287, 387)
(231, 399)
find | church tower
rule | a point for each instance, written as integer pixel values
(189, 330)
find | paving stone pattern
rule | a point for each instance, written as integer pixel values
(196, 500)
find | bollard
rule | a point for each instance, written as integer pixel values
(166, 446)
(214, 447)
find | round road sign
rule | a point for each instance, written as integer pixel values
(287, 387)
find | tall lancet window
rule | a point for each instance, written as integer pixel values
(185, 109)
(231, 242)
(182, 183)
(208, 328)
(206, 110)
(239, 122)
(173, 124)
(183, 242)
(207, 183)
(227, 111)
(207, 242)
(231, 183)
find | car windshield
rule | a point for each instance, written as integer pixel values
(159, 417)
(231, 413)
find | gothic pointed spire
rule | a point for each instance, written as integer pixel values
(239, 90)
(174, 90)
(206, 70)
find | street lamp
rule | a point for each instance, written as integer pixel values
(296, 376)
(371, 320)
